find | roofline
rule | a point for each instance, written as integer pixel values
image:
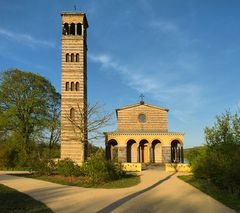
(77, 13)
(138, 104)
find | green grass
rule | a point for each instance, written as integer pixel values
(232, 201)
(127, 181)
(15, 202)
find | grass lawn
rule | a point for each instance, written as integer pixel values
(127, 181)
(13, 201)
(232, 201)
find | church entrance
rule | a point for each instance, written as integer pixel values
(143, 151)
(131, 151)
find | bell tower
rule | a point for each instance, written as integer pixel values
(74, 86)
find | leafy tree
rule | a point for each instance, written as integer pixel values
(191, 153)
(28, 109)
(220, 163)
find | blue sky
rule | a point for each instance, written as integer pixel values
(182, 55)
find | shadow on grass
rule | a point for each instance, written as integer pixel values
(13, 201)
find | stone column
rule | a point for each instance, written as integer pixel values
(166, 153)
(82, 30)
(182, 155)
(138, 154)
(150, 153)
(75, 29)
(69, 29)
(122, 154)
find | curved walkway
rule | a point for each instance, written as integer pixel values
(158, 191)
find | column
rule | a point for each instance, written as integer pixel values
(138, 154)
(69, 29)
(166, 153)
(122, 154)
(150, 153)
(82, 29)
(75, 29)
(182, 155)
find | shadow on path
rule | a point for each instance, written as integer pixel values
(120, 202)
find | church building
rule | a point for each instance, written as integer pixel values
(142, 136)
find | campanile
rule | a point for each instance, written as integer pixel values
(74, 86)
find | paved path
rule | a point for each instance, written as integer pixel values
(158, 192)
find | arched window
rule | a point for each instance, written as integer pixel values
(77, 57)
(72, 86)
(72, 29)
(72, 57)
(72, 113)
(79, 29)
(67, 57)
(65, 30)
(77, 86)
(67, 86)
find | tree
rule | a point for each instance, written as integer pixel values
(26, 108)
(220, 163)
(97, 119)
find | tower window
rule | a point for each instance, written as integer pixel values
(77, 86)
(72, 29)
(72, 57)
(65, 30)
(77, 57)
(72, 113)
(72, 86)
(79, 29)
(67, 57)
(67, 86)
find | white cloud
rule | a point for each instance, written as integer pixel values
(26, 39)
(183, 98)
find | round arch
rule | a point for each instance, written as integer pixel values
(112, 150)
(131, 151)
(144, 151)
(156, 151)
(72, 29)
(176, 151)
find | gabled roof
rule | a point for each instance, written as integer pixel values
(139, 104)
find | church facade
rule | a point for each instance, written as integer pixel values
(142, 136)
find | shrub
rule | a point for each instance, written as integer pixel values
(101, 170)
(68, 168)
(44, 167)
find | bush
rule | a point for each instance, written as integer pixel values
(68, 168)
(101, 170)
(44, 167)
(219, 164)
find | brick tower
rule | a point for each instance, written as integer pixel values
(74, 86)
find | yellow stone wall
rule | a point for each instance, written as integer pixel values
(179, 167)
(156, 118)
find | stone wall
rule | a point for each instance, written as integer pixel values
(156, 118)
